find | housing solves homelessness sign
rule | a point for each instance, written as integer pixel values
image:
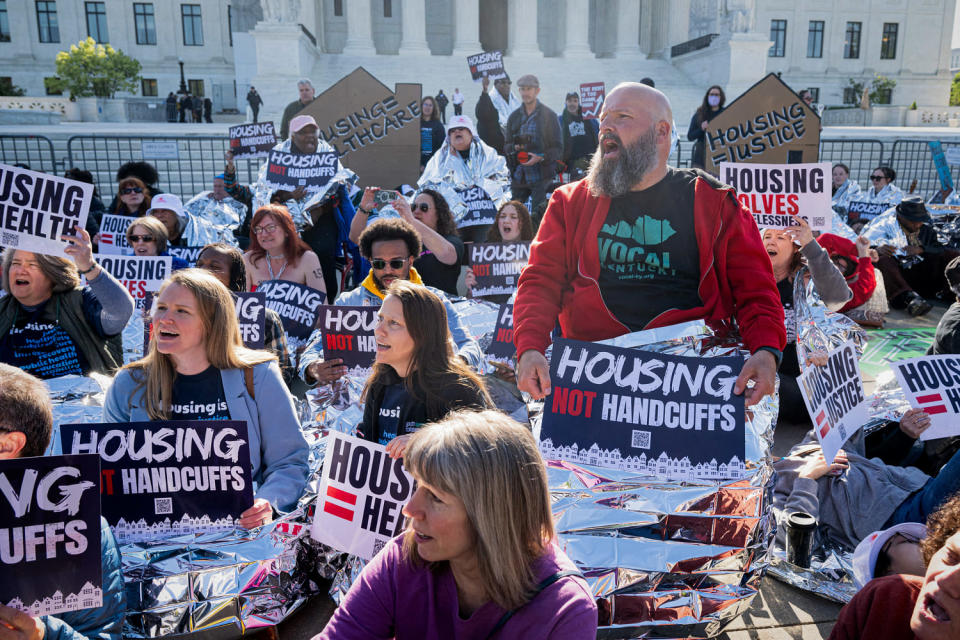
(778, 194)
(252, 140)
(932, 383)
(311, 171)
(36, 209)
(139, 274)
(497, 266)
(165, 478)
(50, 534)
(672, 416)
(348, 335)
(361, 497)
(296, 304)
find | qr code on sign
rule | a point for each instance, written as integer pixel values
(819, 221)
(162, 506)
(843, 432)
(640, 439)
(10, 239)
(378, 544)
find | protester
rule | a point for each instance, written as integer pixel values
(504, 101)
(277, 252)
(912, 259)
(97, 208)
(628, 205)
(306, 90)
(186, 108)
(479, 558)
(443, 251)
(712, 106)
(890, 551)
(168, 208)
(171, 107)
(197, 368)
(26, 427)
(579, 136)
(512, 224)
(442, 102)
(533, 144)
(882, 188)
(488, 119)
(207, 110)
(255, 102)
(226, 264)
(431, 131)
(855, 262)
(132, 199)
(845, 190)
(147, 236)
(947, 338)
(51, 325)
(198, 109)
(221, 210)
(457, 100)
(390, 244)
(144, 171)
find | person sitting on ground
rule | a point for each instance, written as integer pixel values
(416, 377)
(221, 209)
(912, 258)
(147, 236)
(51, 325)
(277, 252)
(947, 338)
(512, 224)
(895, 550)
(226, 263)
(390, 244)
(845, 190)
(141, 170)
(855, 262)
(882, 188)
(133, 198)
(196, 368)
(168, 209)
(26, 426)
(479, 558)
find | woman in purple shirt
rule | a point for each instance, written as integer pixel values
(479, 558)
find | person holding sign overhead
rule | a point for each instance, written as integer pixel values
(198, 369)
(479, 558)
(277, 252)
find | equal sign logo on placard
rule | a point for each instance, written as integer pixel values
(339, 510)
(823, 424)
(932, 403)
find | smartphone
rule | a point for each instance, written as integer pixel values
(383, 197)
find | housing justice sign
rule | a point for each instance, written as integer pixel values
(670, 416)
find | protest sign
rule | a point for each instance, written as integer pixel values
(252, 317)
(834, 397)
(501, 347)
(480, 208)
(777, 194)
(296, 304)
(768, 123)
(671, 416)
(36, 209)
(362, 493)
(166, 478)
(488, 64)
(311, 171)
(50, 518)
(592, 95)
(952, 155)
(348, 335)
(932, 383)
(139, 274)
(497, 266)
(113, 235)
(941, 164)
(252, 140)
(189, 254)
(863, 211)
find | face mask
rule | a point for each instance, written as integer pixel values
(713, 101)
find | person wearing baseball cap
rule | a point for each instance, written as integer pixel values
(892, 550)
(168, 208)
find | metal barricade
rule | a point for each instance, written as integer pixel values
(912, 160)
(861, 155)
(34, 151)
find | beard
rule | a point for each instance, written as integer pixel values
(615, 177)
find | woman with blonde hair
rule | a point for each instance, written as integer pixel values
(479, 557)
(148, 236)
(197, 368)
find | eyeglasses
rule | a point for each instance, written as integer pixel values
(423, 206)
(269, 228)
(380, 264)
(135, 239)
(877, 178)
(128, 190)
(905, 536)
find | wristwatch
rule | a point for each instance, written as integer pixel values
(777, 354)
(366, 211)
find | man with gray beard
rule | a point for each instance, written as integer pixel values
(639, 245)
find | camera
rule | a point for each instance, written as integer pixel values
(520, 143)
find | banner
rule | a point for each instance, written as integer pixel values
(940, 162)
(361, 497)
(863, 211)
(113, 235)
(139, 274)
(252, 140)
(291, 170)
(777, 194)
(501, 347)
(480, 208)
(252, 317)
(487, 64)
(497, 266)
(161, 479)
(296, 304)
(36, 209)
(932, 383)
(592, 95)
(671, 416)
(834, 397)
(190, 254)
(348, 335)
(50, 517)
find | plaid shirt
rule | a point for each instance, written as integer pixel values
(530, 127)
(275, 340)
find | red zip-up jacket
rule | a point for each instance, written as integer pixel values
(561, 279)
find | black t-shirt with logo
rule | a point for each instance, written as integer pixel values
(41, 348)
(649, 261)
(395, 398)
(199, 397)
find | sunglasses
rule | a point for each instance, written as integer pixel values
(134, 239)
(877, 178)
(270, 228)
(380, 264)
(423, 206)
(128, 190)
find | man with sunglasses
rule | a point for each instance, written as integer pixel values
(391, 245)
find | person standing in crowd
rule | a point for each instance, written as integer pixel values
(207, 110)
(533, 144)
(442, 102)
(26, 427)
(807, 97)
(182, 107)
(187, 105)
(197, 109)
(197, 368)
(226, 264)
(171, 106)
(845, 190)
(416, 378)
(579, 136)
(391, 245)
(503, 99)
(488, 119)
(630, 204)
(168, 209)
(133, 198)
(431, 131)
(712, 106)
(882, 188)
(50, 324)
(512, 224)
(255, 102)
(479, 557)
(148, 236)
(277, 252)
(457, 100)
(305, 87)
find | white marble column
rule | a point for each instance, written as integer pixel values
(414, 29)
(359, 31)
(523, 29)
(578, 23)
(466, 23)
(628, 30)
(659, 28)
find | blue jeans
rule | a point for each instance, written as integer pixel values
(935, 492)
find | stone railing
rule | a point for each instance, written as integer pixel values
(55, 104)
(891, 116)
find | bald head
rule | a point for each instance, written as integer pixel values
(642, 97)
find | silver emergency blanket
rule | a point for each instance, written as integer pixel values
(200, 231)
(886, 229)
(504, 107)
(890, 194)
(840, 228)
(848, 192)
(228, 212)
(446, 172)
(299, 208)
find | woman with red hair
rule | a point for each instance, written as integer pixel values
(277, 252)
